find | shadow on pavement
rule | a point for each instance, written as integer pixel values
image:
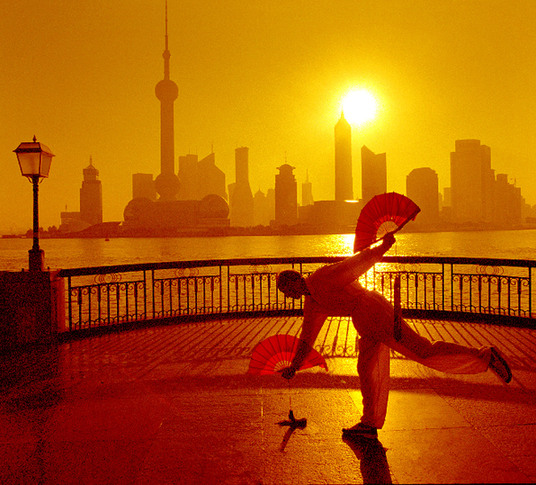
(372, 459)
(293, 424)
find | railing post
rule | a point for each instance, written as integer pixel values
(145, 294)
(221, 287)
(70, 304)
(227, 268)
(530, 292)
(153, 294)
(443, 286)
(451, 287)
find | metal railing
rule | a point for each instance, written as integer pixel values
(430, 287)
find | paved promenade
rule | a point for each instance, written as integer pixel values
(173, 404)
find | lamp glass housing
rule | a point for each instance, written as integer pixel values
(34, 159)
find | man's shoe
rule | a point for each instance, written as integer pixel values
(360, 431)
(498, 365)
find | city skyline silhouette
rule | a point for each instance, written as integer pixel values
(267, 76)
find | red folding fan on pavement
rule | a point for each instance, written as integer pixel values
(275, 353)
(382, 214)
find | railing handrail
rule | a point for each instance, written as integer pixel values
(447, 287)
(123, 268)
(522, 263)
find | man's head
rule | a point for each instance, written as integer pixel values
(291, 284)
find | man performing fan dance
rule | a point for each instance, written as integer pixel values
(334, 290)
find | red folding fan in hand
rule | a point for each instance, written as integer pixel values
(382, 214)
(275, 353)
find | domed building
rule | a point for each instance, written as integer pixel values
(144, 217)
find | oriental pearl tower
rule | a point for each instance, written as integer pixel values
(167, 183)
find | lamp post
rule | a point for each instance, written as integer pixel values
(34, 161)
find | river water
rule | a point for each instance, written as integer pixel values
(77, 253)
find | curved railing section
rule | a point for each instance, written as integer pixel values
(456, 288)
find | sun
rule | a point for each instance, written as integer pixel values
(359, 106)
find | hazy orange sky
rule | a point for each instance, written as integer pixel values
(267, 74)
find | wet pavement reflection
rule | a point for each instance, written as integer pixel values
(174, 404)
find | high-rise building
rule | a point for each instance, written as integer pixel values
(373, 174)
(143, 186)
(91, 196)
(210, 179)
(508, 203)
(199, 178)
(471, 182)
(307, 192)
(343, 160)
(167, 183)
(286, 196)
(260, 209)
(270, 202)
(422, 187)
(240, 196)
(447, 197)
(188, 177)
(263, 211)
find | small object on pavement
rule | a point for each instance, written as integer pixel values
(293, 422)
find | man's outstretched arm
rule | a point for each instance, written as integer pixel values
(312, 324)
(354, 266)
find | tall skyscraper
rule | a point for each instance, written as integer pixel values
(167, 183)
(199, 178)
(508, 203)
(188, 177)
(343, 160)
(307, 192)
(91, 196)
(373, 174)
(240, 196)
(422, 187)
(211, 180)
(471, 182)
(261, 209)
(270, 203)
(286, 196)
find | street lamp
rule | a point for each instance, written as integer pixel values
(34, 161)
